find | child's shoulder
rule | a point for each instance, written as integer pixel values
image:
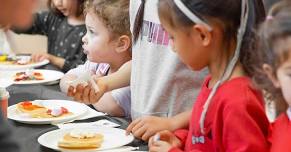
(240, 91)
(50, 16)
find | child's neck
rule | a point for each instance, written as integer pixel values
(74, 20)
(218, 65)
(118, 62)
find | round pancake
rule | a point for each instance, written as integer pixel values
(80, 143)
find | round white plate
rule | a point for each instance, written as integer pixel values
(113, 138)
(49, 76)
(78, 109)
(21, 67)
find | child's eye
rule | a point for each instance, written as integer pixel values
(91, 31)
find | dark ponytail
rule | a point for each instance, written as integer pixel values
(138, 21)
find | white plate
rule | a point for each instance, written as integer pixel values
(21, 67)
(113, 138)
(78, 109)
(49, 76)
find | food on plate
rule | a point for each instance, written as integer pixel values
(28, 75)
(15, 60)
(39, 111)
(28, 107)
(81, 139)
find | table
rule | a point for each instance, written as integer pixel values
(26, 135)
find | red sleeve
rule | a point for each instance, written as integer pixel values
(245, 126)
(175, 149)
(182, 135)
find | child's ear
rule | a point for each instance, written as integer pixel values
(271, 75)
(204, 34)
(123, 44)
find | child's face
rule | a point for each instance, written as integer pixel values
(67, 7)
(188, 46)
(15, 12)
(284, 79)
(97, 44)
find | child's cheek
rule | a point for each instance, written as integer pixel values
(286, 90)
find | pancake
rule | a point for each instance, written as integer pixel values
(36, 111)
(81, 140)
(28, 107)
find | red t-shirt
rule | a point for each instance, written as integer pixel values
(281, 134)
(235, 120)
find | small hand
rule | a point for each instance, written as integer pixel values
(146, 127)
(165, 143)
(87, 94)
(40, 57)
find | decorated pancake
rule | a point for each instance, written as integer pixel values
(39, 111)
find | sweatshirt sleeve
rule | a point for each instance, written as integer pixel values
(182, 135)
(245, 126)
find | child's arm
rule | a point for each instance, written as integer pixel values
(108, 104)
(105, 84)
(118, 79)
(41, 24)
(245, 127)
(146, 127)
(57, 61)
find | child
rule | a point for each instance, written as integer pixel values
(108, 40)
(228, 114)
(64, 27)
(274, 69)
(157, 93)
(19, 14)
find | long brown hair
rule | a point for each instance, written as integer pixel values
(138, 21)
(79, 12)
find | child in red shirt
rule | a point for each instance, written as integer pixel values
(228, 114)
(275, 75)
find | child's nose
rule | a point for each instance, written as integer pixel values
(84, 39)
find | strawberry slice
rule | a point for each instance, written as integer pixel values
(26, 103)
(64, 110)
(49, 111)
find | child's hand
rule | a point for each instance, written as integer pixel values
(40, 57)
(148, 126)
(166, 141)
(84, 94)
(87, 94)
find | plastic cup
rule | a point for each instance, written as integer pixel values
(4, 95)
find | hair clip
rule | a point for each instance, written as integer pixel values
(269, 17)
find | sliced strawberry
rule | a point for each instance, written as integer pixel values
(26, 103)
(64, 110)
(49, 111)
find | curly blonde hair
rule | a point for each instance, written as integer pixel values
(113, 13)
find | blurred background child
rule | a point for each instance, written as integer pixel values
(18, 14)
(273, 73)
(64, 26)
